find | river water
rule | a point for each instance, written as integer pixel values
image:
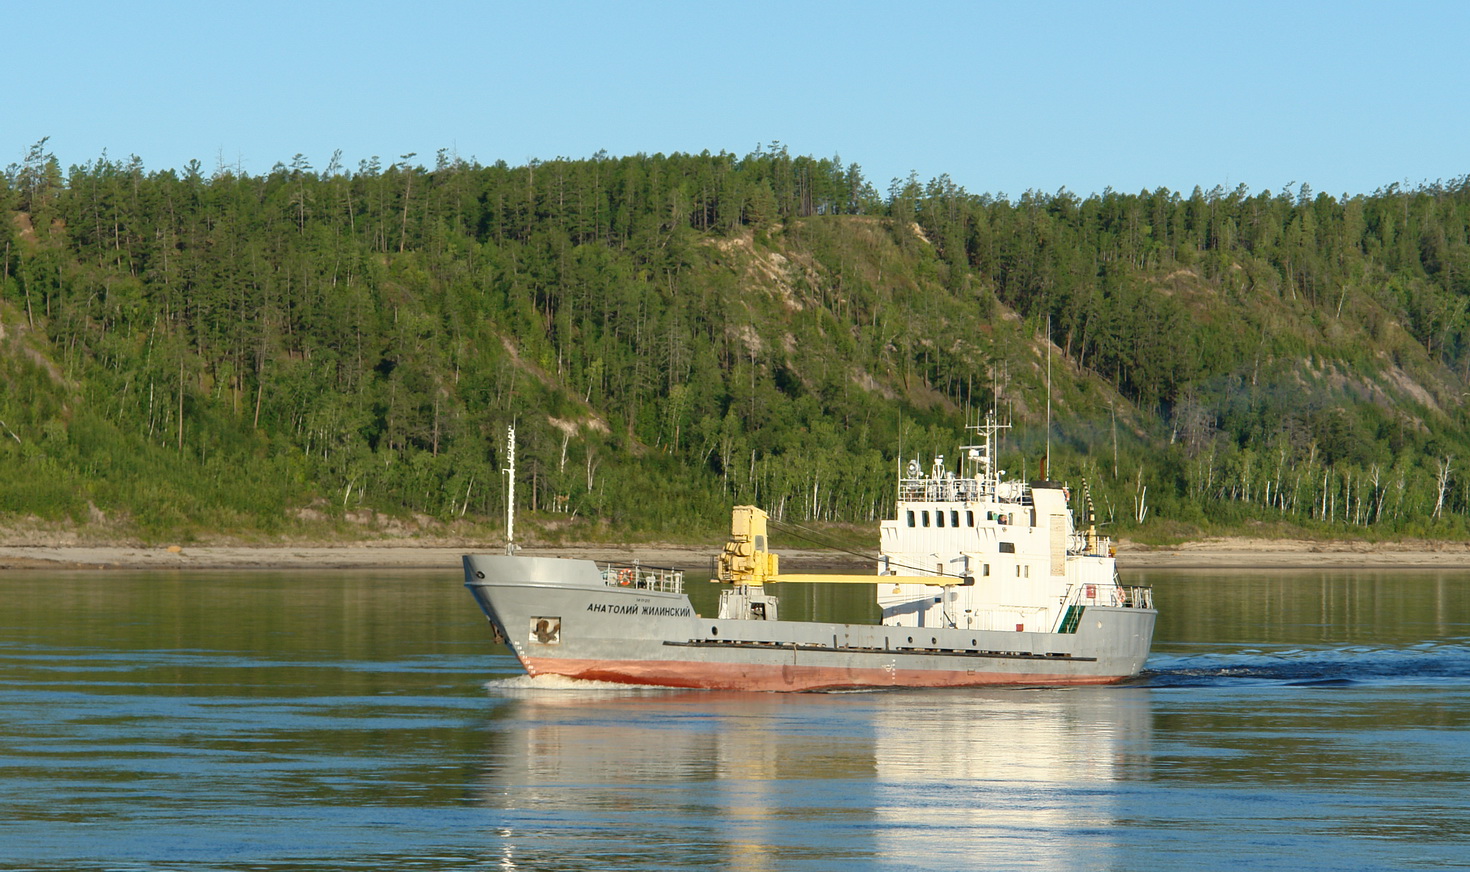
(335, 720)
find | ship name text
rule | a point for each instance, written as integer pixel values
(646, 610)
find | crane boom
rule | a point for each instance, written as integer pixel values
(745, 560)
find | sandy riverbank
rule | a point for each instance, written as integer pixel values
(1249, 553)
(367, 556)
(1234, 553)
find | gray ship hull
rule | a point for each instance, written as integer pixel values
(563, 617)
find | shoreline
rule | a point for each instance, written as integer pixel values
(1295, 554)
(1225, 554)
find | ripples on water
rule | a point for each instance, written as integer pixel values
(258, 722)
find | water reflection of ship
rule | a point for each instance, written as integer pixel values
(755, 782)
(1009, 779)
(725, 790)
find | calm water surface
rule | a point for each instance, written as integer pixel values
(271, 721)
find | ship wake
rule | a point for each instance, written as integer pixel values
(1425, 663)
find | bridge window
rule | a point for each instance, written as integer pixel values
(954, 517)
(911, 517)
(939, 518)
(926, 517)
(969, 519)
(1007, 547)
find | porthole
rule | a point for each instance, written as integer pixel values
(933, 640)
(479, 573)
(911, 640)
(714, 631)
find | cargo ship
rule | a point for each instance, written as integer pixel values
(980, 580)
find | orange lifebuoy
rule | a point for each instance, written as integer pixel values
(625, 577)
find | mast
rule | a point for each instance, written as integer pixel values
(1046, 466)
(510, 490)
(982, 459)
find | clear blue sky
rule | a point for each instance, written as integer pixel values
(1003, 97)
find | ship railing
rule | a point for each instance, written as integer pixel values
(1077, 545)
(1138, 596)
(1115, 595)
(637, 576)
(955, 489)
(941, 490)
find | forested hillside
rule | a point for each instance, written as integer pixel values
(334, 352)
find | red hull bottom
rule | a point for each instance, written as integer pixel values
(746, 676)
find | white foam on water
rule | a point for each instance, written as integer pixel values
(528, 684)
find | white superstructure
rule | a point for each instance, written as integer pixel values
(1008, 552)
